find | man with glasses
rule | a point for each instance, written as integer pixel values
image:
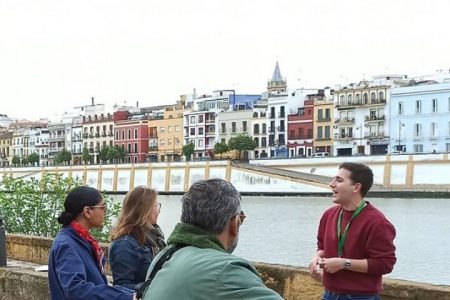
(202, 266)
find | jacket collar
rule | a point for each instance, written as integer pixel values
(194, 236)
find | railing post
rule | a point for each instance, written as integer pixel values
(2, 243)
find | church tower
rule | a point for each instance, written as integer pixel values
(277, 85)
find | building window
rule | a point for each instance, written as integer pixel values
(169, 129)
(418, 107)
(372, 96)
(200, 143)
(117, 135)
(381, 96)
(365, 98)
(320, 115)
(319, 132)
(129, 148)
(244, 126)
(263, 142)
(400, 108)
(434, 105)
(264, 128)
(434, 129)
(418, 148)
(327, 132)
(123, 134)
(192, 120)
(135, 148)
(200, 118)
(233, 126)
(447, 147)
(177, 128)
(256, 141)
(162, 129)
(200, 131)
(417, 130)
(135, 133)
(256, 129)
(162, 142)
(192, 131)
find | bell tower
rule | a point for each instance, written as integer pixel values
(277, 84)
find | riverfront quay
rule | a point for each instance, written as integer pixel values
(411, 175)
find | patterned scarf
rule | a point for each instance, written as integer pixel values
(155, 239)
(98, 251)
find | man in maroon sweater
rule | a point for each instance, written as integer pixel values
(354, 240)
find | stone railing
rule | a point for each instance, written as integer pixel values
(293, 283)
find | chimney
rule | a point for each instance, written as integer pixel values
(92, 100)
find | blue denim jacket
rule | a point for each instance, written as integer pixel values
(129, 261)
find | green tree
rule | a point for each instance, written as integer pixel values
(63, 156)
(241, 142)
(188, 150)
(24, 161)
(103, 153)
(116, 154)
(33, 159)
(16, 160)
(31, 206)
(86, 156)
(221, 147)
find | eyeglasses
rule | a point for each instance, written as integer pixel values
(158, 205)
(242, 216)
(99, 206)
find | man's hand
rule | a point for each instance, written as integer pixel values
(315, 268)
(333, 265)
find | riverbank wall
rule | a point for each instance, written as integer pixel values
(19, 280)
(394, 176)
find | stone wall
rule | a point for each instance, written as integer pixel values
(293, 283)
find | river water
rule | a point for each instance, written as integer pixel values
(283, 230)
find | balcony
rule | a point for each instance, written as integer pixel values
(368, 118)
(374, 135)
(272, 116)
(271, 129)
(152, 148)
(281, 128)
(343, 137)
(345, 121)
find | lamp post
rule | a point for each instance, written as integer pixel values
(400, 125)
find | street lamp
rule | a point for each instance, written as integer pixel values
(400, 125)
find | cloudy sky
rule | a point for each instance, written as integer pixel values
(57, 54)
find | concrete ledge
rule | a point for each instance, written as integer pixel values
(293, 283)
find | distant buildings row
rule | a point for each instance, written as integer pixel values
(386, 115)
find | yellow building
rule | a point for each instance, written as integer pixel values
(323, 123)
(166, 135)
(5, 149)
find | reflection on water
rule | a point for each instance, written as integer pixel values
(283, 230)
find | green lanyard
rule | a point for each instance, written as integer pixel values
(341, 239)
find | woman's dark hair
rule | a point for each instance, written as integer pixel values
(76, 200)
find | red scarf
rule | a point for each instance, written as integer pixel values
(98, 251)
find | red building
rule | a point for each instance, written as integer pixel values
(300, 130)
(132, 136)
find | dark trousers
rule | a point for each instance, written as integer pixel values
(327, 295)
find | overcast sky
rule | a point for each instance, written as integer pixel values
(57, 54)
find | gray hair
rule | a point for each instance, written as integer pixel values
(209, 204)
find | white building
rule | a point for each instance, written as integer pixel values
(420, 118)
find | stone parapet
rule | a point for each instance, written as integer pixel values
(293, 283)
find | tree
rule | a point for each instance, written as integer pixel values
(103, 154)
(241, 142)
(16, 160)
(221, 147)
(33, 159)
(63, 156)
(24, 161)
(85, 156)
(188, 150)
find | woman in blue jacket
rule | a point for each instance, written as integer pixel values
(76, 261)
(136, 239)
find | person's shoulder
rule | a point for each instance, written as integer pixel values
(332, 209)
(125, 241)
(376, 216)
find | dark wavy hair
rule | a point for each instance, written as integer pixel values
(76, 200)
(359, 173)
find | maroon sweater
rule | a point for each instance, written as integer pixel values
(370, 236)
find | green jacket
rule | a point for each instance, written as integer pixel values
(204, 270)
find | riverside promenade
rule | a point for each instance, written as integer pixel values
(19, 280)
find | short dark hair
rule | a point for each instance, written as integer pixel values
(209, 205)
(76, 200)
(359, 173)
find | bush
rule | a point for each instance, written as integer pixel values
(31, 206)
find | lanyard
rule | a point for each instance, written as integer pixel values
(341, 239)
